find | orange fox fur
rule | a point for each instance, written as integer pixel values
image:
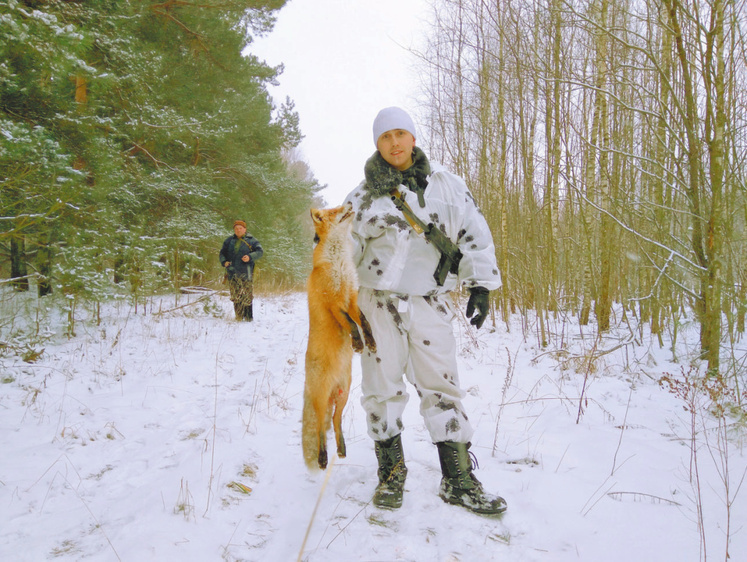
(334, 318)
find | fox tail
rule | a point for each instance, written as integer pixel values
(310, 433)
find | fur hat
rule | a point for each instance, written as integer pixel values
(392, 118)
(239, 223)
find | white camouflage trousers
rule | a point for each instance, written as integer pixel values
(414, 337)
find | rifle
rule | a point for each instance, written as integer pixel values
(450, 253)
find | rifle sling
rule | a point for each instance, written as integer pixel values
(450, 254)
(247, 244)
(415, 226)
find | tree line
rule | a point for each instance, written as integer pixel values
(605, 142)
(132, 134)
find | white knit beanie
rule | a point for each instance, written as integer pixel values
(392, 118)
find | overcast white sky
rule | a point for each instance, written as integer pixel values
(344, 60)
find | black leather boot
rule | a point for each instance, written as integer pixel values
(459, 486)
(392, 473)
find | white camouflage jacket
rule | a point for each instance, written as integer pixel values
(391, 256)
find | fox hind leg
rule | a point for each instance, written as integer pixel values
(337, 423)
(340, 398)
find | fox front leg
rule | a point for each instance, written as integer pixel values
(354, 334)
(367, 333)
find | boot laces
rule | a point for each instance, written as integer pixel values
(473, 460)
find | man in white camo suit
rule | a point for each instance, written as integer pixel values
(411, 313)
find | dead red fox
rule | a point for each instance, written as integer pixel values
(334, 318)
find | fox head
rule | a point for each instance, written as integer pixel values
(328, 221)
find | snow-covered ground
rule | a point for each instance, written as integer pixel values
(175, 435)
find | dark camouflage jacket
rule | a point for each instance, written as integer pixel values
(232, 251)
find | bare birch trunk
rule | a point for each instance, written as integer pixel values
(707, 229)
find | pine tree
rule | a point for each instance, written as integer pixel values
(133, 133)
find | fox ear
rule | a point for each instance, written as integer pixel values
(316, 216)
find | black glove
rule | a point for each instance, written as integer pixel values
(478, 300)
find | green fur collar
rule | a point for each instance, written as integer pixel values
(381, 177)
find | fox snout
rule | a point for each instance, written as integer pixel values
(327, 219)
(348, 211)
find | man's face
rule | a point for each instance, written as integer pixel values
(396, 147)
(239, 230)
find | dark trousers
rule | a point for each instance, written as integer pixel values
(242, 295)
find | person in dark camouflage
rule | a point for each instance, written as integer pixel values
(238, 255)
